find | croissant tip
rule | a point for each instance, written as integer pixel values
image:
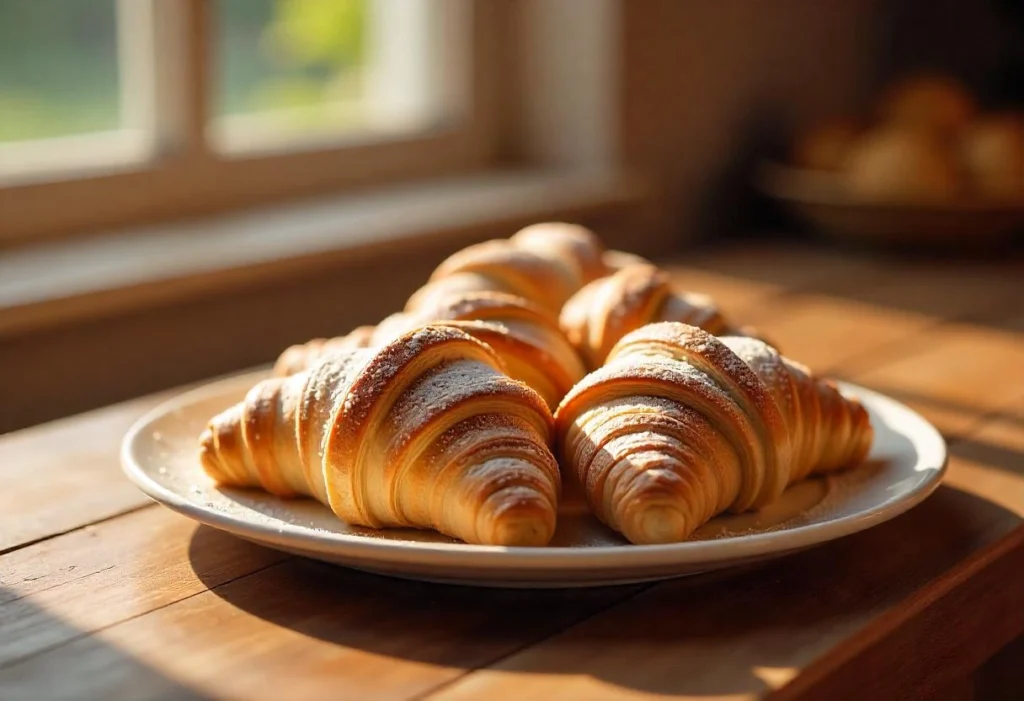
(659, 524)
(527, 531)
(208, 452)
(206, 439)
(527, 521)
(289, 361)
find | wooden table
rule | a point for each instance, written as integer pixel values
(104, 595)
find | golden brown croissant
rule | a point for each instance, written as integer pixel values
(605, 310)
(575, 247)
(544, 263)
(524, 335)
(426, 431)
(299, 357)
(679, 426)
(617, 260)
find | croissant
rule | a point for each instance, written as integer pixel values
(680, 426)
(617, 260)
(426, 432)
(299, 357)
(544, 263)
(605, 310)
(575, 247)
(524, 335)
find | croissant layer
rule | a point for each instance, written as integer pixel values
(605, 310)
(524, 335)
(545, 263)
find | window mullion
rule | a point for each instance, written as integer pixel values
(178, 33)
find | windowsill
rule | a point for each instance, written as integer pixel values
(59, 283)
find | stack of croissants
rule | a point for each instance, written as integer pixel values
(524, 362)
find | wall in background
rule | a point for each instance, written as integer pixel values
(708, 87)
(980, 42)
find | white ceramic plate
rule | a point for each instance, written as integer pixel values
(906, 463)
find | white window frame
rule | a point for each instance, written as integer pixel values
(162, 166)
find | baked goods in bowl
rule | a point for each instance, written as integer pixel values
(929, 101)
(992, 150)
(825, 145)
(899, 164)
(926, 166)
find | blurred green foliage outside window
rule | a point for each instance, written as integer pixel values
(59, 63)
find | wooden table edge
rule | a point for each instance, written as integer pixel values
(938, 604)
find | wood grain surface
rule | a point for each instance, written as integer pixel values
(103, 595)
(63, 475)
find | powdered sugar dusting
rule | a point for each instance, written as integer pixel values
(439, 390)
(633, 289)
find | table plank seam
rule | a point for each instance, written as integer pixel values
(783, 292)
(998, 413)
(890, 351)
(109, 517)
(980, 421)
(893, 620)
(427, 693)
(89, 634)
(717, 263)
(76, 580)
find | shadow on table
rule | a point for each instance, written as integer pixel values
(986, 290)
(988, 455)
(690, 636)
(955, 419)
(84, 667)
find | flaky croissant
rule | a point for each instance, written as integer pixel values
(680, 426)
(617, 260)
(301, 356)
(605, 310)
(524, 335)
(426, 431)
(544, 263)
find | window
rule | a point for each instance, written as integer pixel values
(297, 71)
(61, 79)
(69, 88)
(126, 111)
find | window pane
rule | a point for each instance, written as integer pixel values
(58, 68)
(301, 69)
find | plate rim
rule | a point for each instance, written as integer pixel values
(290, 536)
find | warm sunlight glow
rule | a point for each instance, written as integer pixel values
(775, 677)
